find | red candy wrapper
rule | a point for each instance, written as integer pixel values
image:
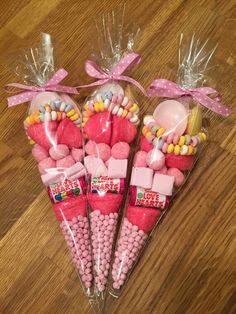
(53, 126)
(171, 141)
(110, 120)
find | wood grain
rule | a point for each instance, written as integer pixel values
(189, 266)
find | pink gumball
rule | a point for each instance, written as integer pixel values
(155, 159)
(172, 116)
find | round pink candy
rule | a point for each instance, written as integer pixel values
(65, 162)
(140, 159)
(120, 150)
(45, 164)
(177, 174)
(77, 154)
(90, 148)
(155, 159)
(103, 151)
(59, 151)
(163, 170)
(39, 152)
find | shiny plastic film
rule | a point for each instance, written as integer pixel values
(172, 139)
(53, 127)
(110, 125)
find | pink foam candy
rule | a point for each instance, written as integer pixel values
(178, 176)
(117, 168)
(59, 151)
(90, 148)
(103, 151)
(145, 145)
(163, 184)
(39, 153)
(140, 159)
(75, 171)
(52, 177)
(120, 150)
(142, 177)
(155, 159)
(46, 164)
(95, 166)
(77, 154)
(65, 162)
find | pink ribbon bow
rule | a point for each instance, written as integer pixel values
(31, 91)
(93, 70)
(166, 88)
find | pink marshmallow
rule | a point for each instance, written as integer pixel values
(103, 151)
(95, 166)
(76, 171)
(46, 164)
(140, 159)
(155, 159)
(90, 148)
(52, 177)
(163, 184)
(178, 176)
(117, 168)
(59, 151)
(39, 153)
(163, 170)
(65, 162)
(77, 154)
(120, 150)
(142, 177)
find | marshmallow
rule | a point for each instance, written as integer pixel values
(117, 168)
(163, 184)
(95, 166)
(142, 177)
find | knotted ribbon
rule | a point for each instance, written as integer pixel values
(93, 70)
(166, 88)
(31, 91)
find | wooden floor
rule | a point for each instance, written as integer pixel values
(189, 267)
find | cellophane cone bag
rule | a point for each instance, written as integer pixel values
(171, 141)
(53, 127)
(110, 123)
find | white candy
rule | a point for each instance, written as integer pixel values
(148, 119)
(106, 103)
(134, 119)
(115, 110)
(99, 97)
(120, 111)
(125, 101)
(63, 106)
(54, 115)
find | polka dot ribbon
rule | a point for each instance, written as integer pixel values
(93, 70)
(31, 91)
(166, 88)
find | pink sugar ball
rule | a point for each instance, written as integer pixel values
(163, 170)
(103, 151)
(90, 148)
(155, 159)
(120, 150)
(45, 164)
(177, 174)
(140, 159)
(39, 153)
(59, 151)
(77, 154)
(65, 162)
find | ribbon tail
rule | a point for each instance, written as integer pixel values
(97, 83)
(132, 81)
(20, 98)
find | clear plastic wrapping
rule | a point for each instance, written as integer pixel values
(110, 121)
(53, 127)
(171, 141)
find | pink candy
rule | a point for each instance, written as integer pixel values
(155, 159)
(178, 175)
(77, 154)
(140, 159)
(46, 164)
(100, 150)
(103, 229)
(59, 151)
(76, 233)
(130, 243)
(39, 152)
(120, 150)
(65, 162)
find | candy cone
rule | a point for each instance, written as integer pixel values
(103, 217)
(136, 226)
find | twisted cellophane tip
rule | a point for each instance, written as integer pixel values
(114, 38)
(194, 57)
